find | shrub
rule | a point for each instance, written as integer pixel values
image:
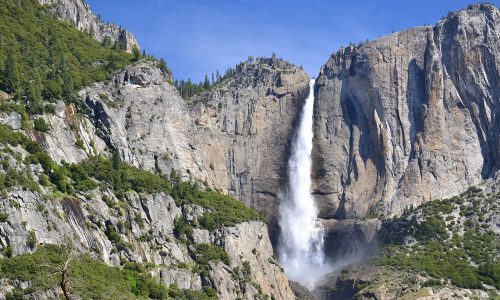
(224, 210)
(438, 256)
(31, 240)
(79, 144)
(40, 125)
(183, 230)
(49, 109)
(206, 253)
(89, 278)
(115, 237)
(8, 251)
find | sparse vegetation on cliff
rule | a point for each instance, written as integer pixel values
(448, 239)
(443, 247)
(43, 58)
(87, 277)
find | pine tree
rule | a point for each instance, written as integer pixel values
(106, 42)
(137, 53)
(11, 71)
(206, 83)
(115, 160)
(218, 77)
(35, 87)
(163, 66)
(68, 84)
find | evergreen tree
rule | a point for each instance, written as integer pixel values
(11, 71)
(115, 160)
(120, 45)
(206, 83)
(136, 53)
(68, 84)
(217, 76)
(163, 66)
(106, 42)
(34, 93)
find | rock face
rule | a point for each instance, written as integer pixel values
(386, 284)
(234, 137)
(142, 115)
(244, 128)
(148, 238)
(78, 12)
(256, 253)
(409, 117)
(349, 239)
(71, 138)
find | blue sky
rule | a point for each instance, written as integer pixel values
(199, 37)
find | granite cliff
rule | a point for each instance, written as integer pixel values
(408, 117)
(398, 121)
(78, 13)
(244, 126)
(234, 137)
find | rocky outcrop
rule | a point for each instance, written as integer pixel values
(409, 117)
(78, 13)
(145, 225)
(244, 128)
(467, 220)
(347, 241)
(248, 245)
(362, 282)
(140, 114)
(71, 137)
(234, 137)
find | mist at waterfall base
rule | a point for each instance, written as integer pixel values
(301, 243)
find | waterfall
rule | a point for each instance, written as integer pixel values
(301, 244)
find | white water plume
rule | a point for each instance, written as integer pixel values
(301, 244)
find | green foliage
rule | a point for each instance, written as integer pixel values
(40, 125)
(115, 237)
(122, 177)
(183, 230)
(31, 240)
(4, 217)
(246, 272)
(436, 260)
(432, 228)
(439, 254)
(47, 58)
(13, 138)
(206, 294)
(162, 65)
(187, 88)
(32, 267)
(206, 253)
(89, 278)
(13, 178)
(490, 273)
(79, 144)
(8, 251)
(49, 109)
(136, 53)
(224, 210)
